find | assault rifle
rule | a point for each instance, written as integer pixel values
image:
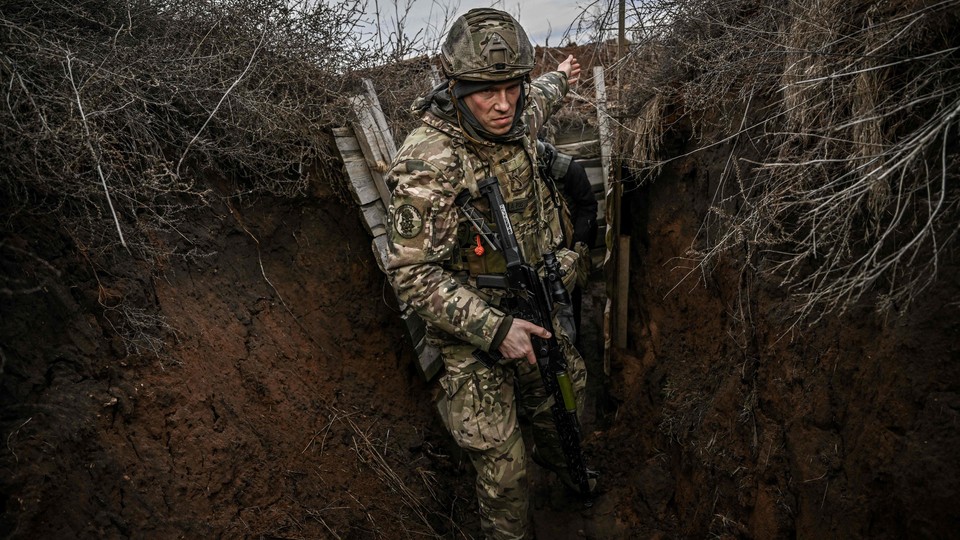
(535, 297)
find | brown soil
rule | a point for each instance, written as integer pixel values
(749, 427)
(287, 405)
(284, 403)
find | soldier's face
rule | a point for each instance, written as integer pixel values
(495, 107)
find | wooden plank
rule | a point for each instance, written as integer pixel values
(615, 318)
(376, 169)
(607, 345)
(622, 291)
(428, 356)
(368, 135)
(430, 362)
(372, 96)
(347, 144)
(584, 133)
(384, 136)
(362, 187)
(342, 132)
(582, 149)
(356, 165)
(603, 122)
(595, 162)
(381, 248)
(374, 218)
(370, 116)
(372, 144)
(367, 157)
(416, 328)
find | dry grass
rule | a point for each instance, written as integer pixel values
(839, 120)
(116, 112)
(420, 505)
(121, 119)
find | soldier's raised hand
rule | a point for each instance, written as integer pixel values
(570, 66)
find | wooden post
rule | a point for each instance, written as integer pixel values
(603, 123)
(623, 289)
(367, 149)
(384, 136)
(622, 29)
(617, 261)
(613, 312)
(373, 135)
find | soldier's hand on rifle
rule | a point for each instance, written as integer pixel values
(517, 344)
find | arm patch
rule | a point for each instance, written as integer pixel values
(408, 221)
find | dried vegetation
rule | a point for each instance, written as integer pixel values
(120, 119)
(839, 123)
(118, 113)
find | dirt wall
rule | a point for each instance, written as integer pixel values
(285, 403)
(847, 428)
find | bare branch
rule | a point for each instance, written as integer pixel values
(93, 153)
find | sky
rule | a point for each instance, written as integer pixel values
(545, 21)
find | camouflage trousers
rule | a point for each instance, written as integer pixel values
(478, 406)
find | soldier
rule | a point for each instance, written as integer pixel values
(578, 216)
(476, 124)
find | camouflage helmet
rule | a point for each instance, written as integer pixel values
(486, 45)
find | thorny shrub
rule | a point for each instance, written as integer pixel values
(839, 121)
(119, 117)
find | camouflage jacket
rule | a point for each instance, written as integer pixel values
(431, 261)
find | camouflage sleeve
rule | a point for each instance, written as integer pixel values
(423, 233)
(546, 93)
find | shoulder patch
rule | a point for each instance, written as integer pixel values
(408, 221)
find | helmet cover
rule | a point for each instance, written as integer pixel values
(486, 44)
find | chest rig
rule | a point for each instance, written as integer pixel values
(531, 205)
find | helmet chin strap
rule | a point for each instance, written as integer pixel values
(467, 132)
